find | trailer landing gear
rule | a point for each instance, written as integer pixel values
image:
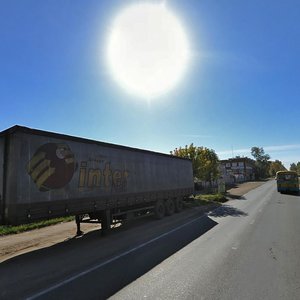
(103, 217)
(78, 219)
(105, 222)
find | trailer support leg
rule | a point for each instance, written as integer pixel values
(77, 220)
(105, 221)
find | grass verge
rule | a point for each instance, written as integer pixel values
(206, 199)
(9, 229)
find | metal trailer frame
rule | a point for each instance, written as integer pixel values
(107, 209)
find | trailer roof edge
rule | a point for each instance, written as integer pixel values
(40, 132)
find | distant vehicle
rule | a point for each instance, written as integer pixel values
(287, 181)
(45, 175)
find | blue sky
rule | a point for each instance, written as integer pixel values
(242, 79)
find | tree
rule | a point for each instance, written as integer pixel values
(259, 154)
(205, 161)
(295, 167)
(262, 162)
(276, 166)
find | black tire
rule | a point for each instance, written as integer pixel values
(170, 207)
(159, 209)
(178, 205)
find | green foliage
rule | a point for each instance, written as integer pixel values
(295, 167)
(213, 197)
(259, 154)
(207, 198)
(8, 229)
(204, 161)
(262, 163)
(200, 202)
(276, 166)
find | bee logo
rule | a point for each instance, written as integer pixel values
(52, 166)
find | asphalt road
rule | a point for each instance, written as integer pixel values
(95, 267)
(253, 253)
(247, 249)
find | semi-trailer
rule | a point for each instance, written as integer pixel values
(45, 175)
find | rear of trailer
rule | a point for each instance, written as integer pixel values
(45, 175)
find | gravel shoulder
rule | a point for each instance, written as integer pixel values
(17, 244)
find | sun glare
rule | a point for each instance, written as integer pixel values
(147, 50)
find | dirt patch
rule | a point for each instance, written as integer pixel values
(243, 188)
(16, 244)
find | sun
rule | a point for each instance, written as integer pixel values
(147, 50)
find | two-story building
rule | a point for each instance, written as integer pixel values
(237, 169)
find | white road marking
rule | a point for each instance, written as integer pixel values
(98, 266)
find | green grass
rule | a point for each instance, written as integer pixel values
(213, 197)
(206, 199)
(8, 229)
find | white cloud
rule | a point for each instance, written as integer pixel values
(282, 148)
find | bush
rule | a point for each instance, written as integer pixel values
(211, 198)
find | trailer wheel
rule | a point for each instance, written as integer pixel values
(170, 207)
(178, 205)
(159, 209)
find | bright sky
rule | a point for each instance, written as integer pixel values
(240, 88)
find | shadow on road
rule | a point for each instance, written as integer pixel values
(297, 194)
(92, 267)
(236, 197)
(226, 210)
